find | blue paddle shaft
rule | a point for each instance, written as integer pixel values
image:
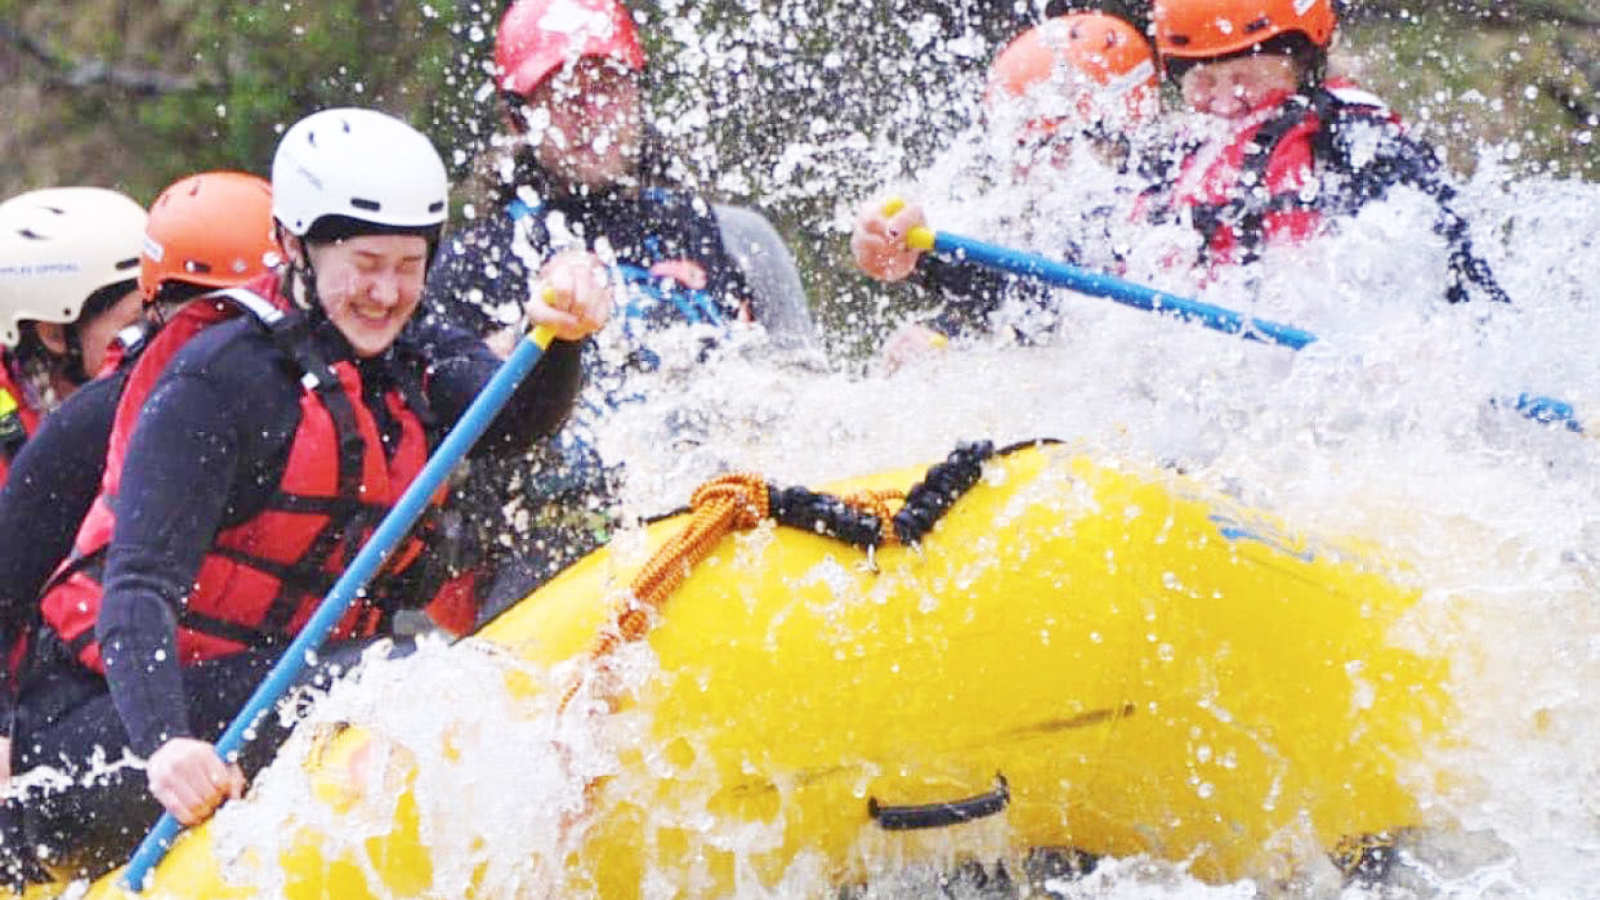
(1127, 293)
(389, 532)
(1538, 408)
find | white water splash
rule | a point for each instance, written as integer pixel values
(1393, 428)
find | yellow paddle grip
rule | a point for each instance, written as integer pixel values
(543, 334)
(918, 238)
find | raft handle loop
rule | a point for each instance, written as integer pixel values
(944, 484)
(941, 815)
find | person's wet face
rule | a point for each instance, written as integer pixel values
(369, 286)
(585, 123)
(1232, 88)
(96, 333)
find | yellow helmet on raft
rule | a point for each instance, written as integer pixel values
(1075, 654)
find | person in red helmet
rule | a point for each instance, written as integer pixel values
(1299, 148)
(579, 166)
(585, 128)
(1082, 79)
(269, 448)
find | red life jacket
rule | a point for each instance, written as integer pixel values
(261, 579)
(258, 298)
(1260, 185)
(18, 419)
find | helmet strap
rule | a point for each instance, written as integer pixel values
(299, 281)
(72, 361)
(40, 366)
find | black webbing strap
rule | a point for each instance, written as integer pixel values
(291, 333)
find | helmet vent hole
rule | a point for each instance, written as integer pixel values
(31, 235)
(436, 206)
(195, 266)
(1257, 25)
(1179, 40)
(368, 205)
(128, 264)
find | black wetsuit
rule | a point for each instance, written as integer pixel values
(208, 454)
(52, 484)
(972, 294)
(480, 281)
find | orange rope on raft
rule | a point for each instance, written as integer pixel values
(742, 500)
(737, 500)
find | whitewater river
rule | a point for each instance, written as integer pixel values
(1391, 430)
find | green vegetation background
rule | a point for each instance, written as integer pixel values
(782, 104)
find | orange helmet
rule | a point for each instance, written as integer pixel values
(213, 229)
(1103, 67)
(538, 37)
(1205, 29)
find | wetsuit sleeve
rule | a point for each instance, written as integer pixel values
(1374, 154)
(458, 367)
(972, 294)
(51, 485)
(478, 282)
(182, 461)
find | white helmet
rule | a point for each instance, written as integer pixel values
(361, 164)
(60, 245)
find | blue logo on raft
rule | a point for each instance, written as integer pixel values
(1261, 533)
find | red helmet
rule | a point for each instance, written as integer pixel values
(213, 229)
(1104, 65)
(538, 37)
(1205, 29)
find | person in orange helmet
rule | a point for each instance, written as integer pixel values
(1300, 147)
(1083, 79)
(1081, 75)
(204, 232)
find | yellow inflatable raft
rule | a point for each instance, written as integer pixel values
(1073, 655)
